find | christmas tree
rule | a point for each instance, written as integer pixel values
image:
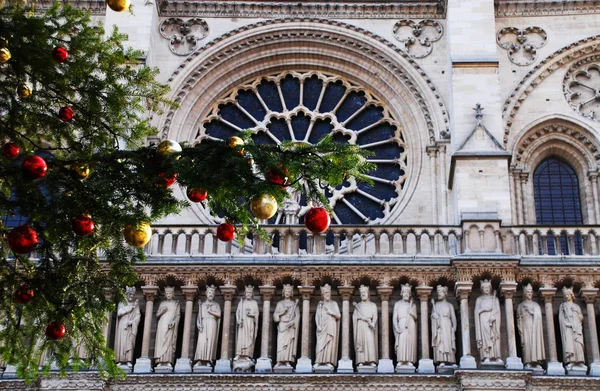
(75, 105)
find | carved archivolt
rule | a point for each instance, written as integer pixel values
(183, 35)
(418, 37)
(522, 45)
(582, 87)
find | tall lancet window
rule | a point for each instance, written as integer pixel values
(557, 201)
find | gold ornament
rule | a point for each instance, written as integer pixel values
(168, 147)
(80, 170)
(233, 142)
(4, 55)
(24, 90)
(264, 206)
(138, 235)
(118, 5)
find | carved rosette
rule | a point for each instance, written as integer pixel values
(418, 37)
(522, 45)
(183, 35)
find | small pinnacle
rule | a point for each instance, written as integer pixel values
(478, 112)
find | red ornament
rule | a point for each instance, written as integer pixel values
(10, 150)
(34, 167)
(317, 220)
(278, 176)
(60, 54)
(226, 232)
(166, 181)
(66, 114)
(24, 294)
(22, 239)
(197, 195)
(55, 330)
(83, 225)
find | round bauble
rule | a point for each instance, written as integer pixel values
(66, 114)
(24, 90)
(80, 170)
(138, 235)
(233, 142)
(34, 167)
(166, 181)
(24, 294)
(118, 5)
(168, 147)
(4, 55)
(278, 176)
(226, 232)
(83, 225)
(197, 195)
(60, 54)
(317, 220)
(22, 239)
(55, 330)
(10, 150)
(264, 206)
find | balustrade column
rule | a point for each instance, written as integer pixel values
(594, 180)
(432, 152)
(524, 179)
(345, 364)
(109, 295)
(443, 186)
(463, 290)
(224, 363)
(143, 364)
(518, 196)
(264, 364)
(425, 363)
(589, 294)
(508, 289)
(184, 364)
(386, 365)
(304, 364)
(554, 367)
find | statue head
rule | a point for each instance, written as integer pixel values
(442, 292)
(326, 292)
(406, 291)
(169, 292)
(288, 291)
(486, 287)
(568, 292)
(129, 292)
(364, 292)
(210, 292)
(249, 292)
(528, 292)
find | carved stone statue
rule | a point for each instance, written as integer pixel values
(487, 325)
(443, 329)
(208, 323)
(364, 321)
(531, 330)
(404, 322)
(168, 315)
(327, 319)
(287, 316)
(128, 315)
(247, 325)
(570, 319)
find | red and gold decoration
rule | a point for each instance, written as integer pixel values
(60, 54)
(10, 150)
(226, 232)
(264, 206)
(80, 170)
(55, 330)
(34, 167)
(22, 239)
(317, 220)
(24, 90)
(168, 147)
(197, 195)
(24, 294)
(118, 5)
(83, 225)
(233, 142)
(66, 114)
(166, 181)
(4, 55)
(278, 176)
(138, 235)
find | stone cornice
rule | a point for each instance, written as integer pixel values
(366, 9)
(510, 8)
(96, 7)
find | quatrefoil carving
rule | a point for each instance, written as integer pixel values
(522, 45)
(418, 37)
(183, 35)
(583, 91)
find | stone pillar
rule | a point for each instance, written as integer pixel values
(108, 316)
(524, 179)
(345, 364)
(508, 289)
(386, 365)
(518, 193)
(462, 291)
(589, 295)
(432, 152)
(443, 186)
(554, 367)
(425, 362)
(304, 364)
(593, 175)
(184, 364)
(144, 363)
(224, 363)
(264, 364)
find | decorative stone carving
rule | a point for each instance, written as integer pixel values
(208, 324)
(418, 37)
(404, 322)
(327, 319)
(443, 329)
(364, 321)
(570, 319)
(166, 331)
(582, 90)
(128, 315)
(183, 35)
(246, 317)
(487, 325)
(522, 45)
(531, 330)
(287, 317)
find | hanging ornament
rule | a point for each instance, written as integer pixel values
(4, 55)
(24, 294)
(118, 5)
(278, 176)
(10, 150)
(138, 235)
(83, 225)
(166, 181)
(168, 147)
(24, 90)
(233, 142)
(66, 114)
(317, 220)
(60, 54)
(225, 232)
(197, 195)
(34, 167)
(55, 330)
(80, 170)
(22, 239)
(264, 206)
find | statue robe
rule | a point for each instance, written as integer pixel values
(287, 330)
(405, 330)
(327, 338)
(487, 331)
(570, 319)
(126, 333)
(166, 337)
(247, 330)
(531, 329)
(206, 347)
(443, 338)
(365, 337)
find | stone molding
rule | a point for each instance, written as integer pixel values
(589, 69)
(512, 8)
(522, 51)
(181, 32)
(493, 380)
(95, 7)
(418, 37)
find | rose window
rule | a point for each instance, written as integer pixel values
(304, 107)
(583, 90)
